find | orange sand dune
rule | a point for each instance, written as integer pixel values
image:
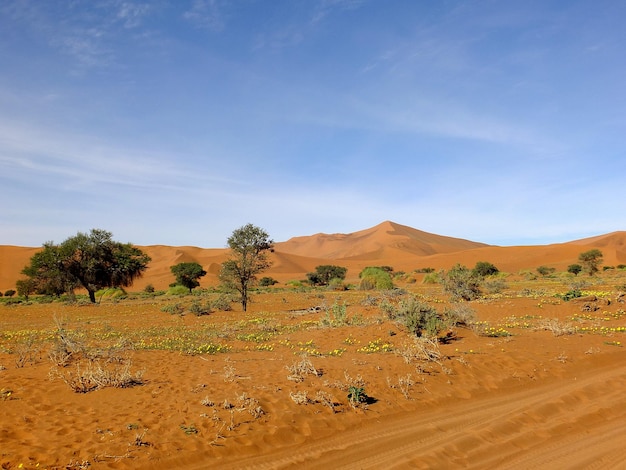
(388, 243)
(374, 243)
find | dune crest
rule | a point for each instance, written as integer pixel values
(388, 243)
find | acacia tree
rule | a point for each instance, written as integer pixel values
(249, 246)
(187, 274)
(93, 261)
(46, 274)
(325, 273)
(591, 260)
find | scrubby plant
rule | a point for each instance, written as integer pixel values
(178, 290)
(337, 284)
(149, 289)
(418, 317)
(545, 270)
(267, 281)
(9, 293)
(375, 277)
(173, 309)
(431, 278)
(461, 283)
(323, 274)
(495, 286)
(571, 294)
(459, 314)
(485, 268)
(199, 309)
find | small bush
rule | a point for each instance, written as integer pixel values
(569, 295)
(173, 309)
(178, 290)
(375, 278)
(149, 289)
(461, 283)
(545, 270)
(484, 269)
(267, 281)
(431, 278)
(9, 293)
(459, 315)
(418, 316)
(223, 303)
(337, 284)
(199, 309)
(495, 286)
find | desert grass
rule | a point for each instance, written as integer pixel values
(300, 369)
(557, 327)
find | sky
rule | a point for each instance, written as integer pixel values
(175, 122)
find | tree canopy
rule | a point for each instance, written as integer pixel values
(92, 261)
(249, 246)
(187, 274)
(323, 274)
(591, 261)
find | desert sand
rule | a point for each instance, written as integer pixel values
(537, 383)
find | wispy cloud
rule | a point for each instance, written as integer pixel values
(207, 14)
(325, 8)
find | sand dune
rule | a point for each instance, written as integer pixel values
(404, 248)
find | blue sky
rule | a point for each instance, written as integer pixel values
(176, 122)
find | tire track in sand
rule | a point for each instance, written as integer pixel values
(572, 423)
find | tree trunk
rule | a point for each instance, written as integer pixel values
(92, 296)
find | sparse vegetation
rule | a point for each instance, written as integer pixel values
(461, 283)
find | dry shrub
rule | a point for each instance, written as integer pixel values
(298, 370)
(422, 348)
(93, 375)
(249, 404)
(557, 327)
(300, 398)
(403, 384)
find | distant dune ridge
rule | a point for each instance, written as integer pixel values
(402, 247)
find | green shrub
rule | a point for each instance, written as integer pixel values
(199, 309)
(267, 281)
(569, 295)
(461, 283)
(460, 314)
(431, 278)
(9, 293)
(149, 289)
(545, 270)
(484, 269)
(223, 303)
(178, 290)
(495, 286)
(375, 278)
(174, 309)
(418, 316)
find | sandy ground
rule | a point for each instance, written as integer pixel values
(269, 388)
(527, 399)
